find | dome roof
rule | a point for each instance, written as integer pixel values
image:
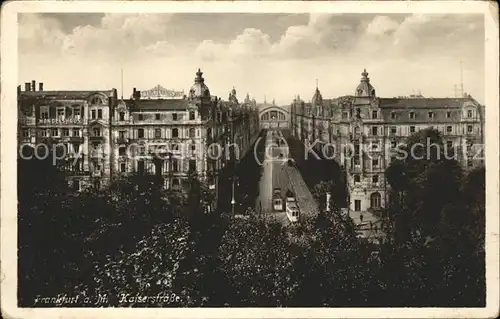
(199, 89)
(365, 89)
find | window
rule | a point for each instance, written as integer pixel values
(430, 115)
(357, 205)
(374, 147)
(76, 185)
(175, 182)
(412, 115)
(375, 199)
(65, 131)
(76, 111)
(357, 179)
(375, 179)
(26, 132)
(99, 114)
(192, 132)
(44, 133)
(469, 162)
(93, 114)
(157, 133)
(140, 167)
(192, 165)
(393, 115)
(393, 130)
(121, 135)
(393, 144)
(374, 114)
(449, 144)
(448, 114)
(412, 129)
(375, 162)
(191, 115)
(344, 115)
(54, 132)
(448, 129)
(374, 130)
(60, 112)
(175, 165)
(209, 132)
(123, 167)
(174, 116)
(469, 113)
(193, 147)
(44, 115)
(122, 116)
(469, 128)
(141, 117)
(175, 132)
(96, 100)
(140, 133)
(122, 151)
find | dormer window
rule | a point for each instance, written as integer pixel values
(430, 115)
(448, 114)
(174, 117)
(191, 115)
(374, 114)
(412, 115)
(469, 113)
(157, 116)
(122, 116)
(141, 117)
(96, 100)
(393, 115)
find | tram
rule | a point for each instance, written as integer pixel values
(292, 210)
(277, 200)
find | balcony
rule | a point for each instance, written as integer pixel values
(61, 121)
(95, 138)
(123, 140)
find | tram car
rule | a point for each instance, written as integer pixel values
(277, 200)
(292, 210)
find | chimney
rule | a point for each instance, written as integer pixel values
(27, 86)
(138, 95)
(134, 93)
(40, 86)
(18, 89)
(33, 85)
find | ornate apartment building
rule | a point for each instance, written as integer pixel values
(369, 128)
(162, 132)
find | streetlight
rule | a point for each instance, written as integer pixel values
(233, 201)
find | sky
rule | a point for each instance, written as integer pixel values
(277, 56)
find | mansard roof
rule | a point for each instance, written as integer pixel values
(422, 103)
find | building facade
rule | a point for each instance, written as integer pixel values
(361, 132)
(155, 132)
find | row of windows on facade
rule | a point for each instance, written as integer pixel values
(65, 132)
(174, 164)
(412, 115)
(98, 114)
(375, 178)
(394, 145)
(375, 202)
(158, 117)
(376, 130)
(77, 185)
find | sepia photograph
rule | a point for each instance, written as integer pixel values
(325, 159)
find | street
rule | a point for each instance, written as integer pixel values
(278, 174)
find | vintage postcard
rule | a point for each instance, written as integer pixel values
(249, 159)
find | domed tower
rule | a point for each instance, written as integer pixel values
(199, 89)
(232, 96)
(317, 102)
(365, 89)
(247, 99)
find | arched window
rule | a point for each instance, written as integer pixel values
(175, 132)
(375, 199)
(96, 100)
